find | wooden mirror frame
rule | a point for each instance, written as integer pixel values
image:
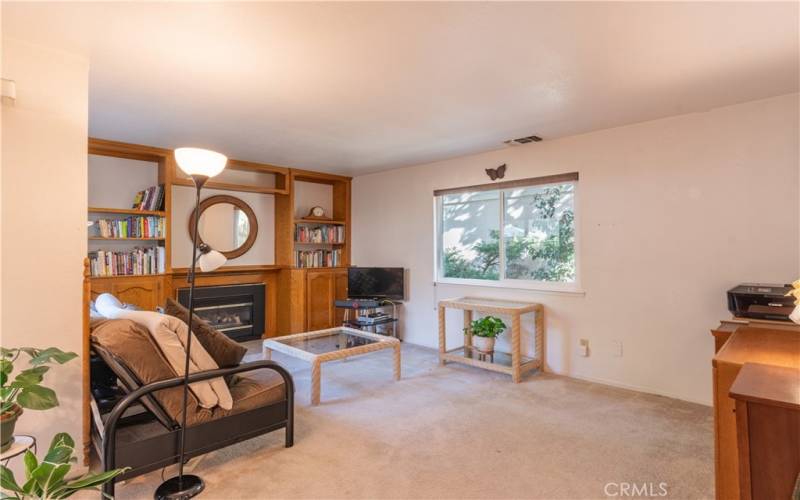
(241, 205)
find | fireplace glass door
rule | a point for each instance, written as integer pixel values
(235, 310)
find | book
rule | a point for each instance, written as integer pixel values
(151, 198)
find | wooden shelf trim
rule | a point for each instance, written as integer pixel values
(320, 222)
(128, 276)
(118, 149)
(181, 271)
(124, 239)
(130, 211)
(319, 242)
(320, 268)
(232, 187)
(318, 177)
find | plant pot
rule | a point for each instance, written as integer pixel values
(7, 422)
(483, 344)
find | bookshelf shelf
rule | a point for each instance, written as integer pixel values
(320, 267)
(126, 211)
(118, 276)
(125, 239)
(228, 186)
(321, 222)
(319, 242)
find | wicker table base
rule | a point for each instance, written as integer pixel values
(330, 345)
(513, 363)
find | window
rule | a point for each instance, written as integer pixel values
(513, 233)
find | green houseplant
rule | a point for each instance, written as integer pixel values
(484, 332)
(25, 390)
(45, 479)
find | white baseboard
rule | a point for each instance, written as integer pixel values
(611, 383)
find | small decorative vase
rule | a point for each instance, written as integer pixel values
(483, 344)
(7, 422)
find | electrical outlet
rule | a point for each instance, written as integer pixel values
(583, 345)
(617, 348)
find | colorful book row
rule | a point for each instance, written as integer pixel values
(322, 234)
(138, 261)
(318, 258)
(130, 227)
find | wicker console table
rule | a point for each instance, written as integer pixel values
(513, 363)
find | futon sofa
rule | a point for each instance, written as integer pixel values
(137, 402)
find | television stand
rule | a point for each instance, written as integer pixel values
(374, 315)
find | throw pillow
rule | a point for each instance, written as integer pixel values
(223, 350)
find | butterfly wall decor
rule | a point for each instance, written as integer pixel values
(496, 173)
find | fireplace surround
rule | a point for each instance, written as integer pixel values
(235, 310)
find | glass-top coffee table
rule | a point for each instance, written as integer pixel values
(329, 345)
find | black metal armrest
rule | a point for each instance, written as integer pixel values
(110, 435)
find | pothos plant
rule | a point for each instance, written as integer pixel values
(488, 326)
(46, 479)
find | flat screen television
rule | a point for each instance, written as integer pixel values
(375, 282)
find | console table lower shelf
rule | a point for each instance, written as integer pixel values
(502, 362)
(514, 363)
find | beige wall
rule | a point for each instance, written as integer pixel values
(114, 182)
(44, 182)
(671, 214)
(308, 195)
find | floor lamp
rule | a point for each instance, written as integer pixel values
(200, 165)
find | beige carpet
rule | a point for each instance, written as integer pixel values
(461, 432)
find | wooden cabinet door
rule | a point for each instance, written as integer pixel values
(144, 291)
(319, 300)
(340, 288)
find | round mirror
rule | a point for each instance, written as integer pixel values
(227, 224)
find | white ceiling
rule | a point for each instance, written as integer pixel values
(359, 87)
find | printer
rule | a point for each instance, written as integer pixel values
(761, 301)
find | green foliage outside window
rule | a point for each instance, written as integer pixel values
(547, 254)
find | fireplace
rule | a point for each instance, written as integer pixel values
(235, 310)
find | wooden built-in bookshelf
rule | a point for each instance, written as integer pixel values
(126, 211)
(297, 299)
(239, 176)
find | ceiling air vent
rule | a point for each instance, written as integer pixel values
(523, 140)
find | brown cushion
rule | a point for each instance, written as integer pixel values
(225, 351)
(257, 388)
(131, 343)
(250, 390)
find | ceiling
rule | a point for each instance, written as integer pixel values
(354, 88)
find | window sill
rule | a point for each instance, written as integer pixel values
(530, 287)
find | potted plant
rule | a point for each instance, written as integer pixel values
(46, 479)
(484, 332)
(25, 391)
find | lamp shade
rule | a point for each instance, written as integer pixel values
(196, 161)
(211, 260)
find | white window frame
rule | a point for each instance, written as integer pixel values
(573, 287)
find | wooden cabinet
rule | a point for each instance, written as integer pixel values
(320, 289)
(146, 292)
(323, 286)
(768, 430)
(340, 293)
(747, 344)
